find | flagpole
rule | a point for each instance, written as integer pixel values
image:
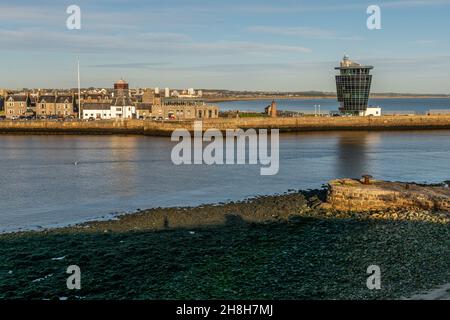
(79, 89)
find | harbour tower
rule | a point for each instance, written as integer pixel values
(353, 87)
(121, 88)
(122, 105)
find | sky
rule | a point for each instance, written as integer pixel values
(276, 45)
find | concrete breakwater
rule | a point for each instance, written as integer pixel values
(396, 200)
(165, 128)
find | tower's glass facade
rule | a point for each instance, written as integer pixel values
(353, 86)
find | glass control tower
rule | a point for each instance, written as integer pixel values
(353, 87)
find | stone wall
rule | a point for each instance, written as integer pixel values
(284, 124)
(354, 196)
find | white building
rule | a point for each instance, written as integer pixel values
(96, 111)
(121, 106)
(371, 112)
(123, 112)
(99, 111)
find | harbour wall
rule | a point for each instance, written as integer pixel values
(165, 128)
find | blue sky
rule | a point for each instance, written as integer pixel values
(243, 45)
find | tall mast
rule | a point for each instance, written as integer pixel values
(79, 89)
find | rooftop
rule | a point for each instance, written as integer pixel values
(346, 63)
(121, 81)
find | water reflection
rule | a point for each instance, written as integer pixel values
(353, 153)
(122, 168)
(119, 173)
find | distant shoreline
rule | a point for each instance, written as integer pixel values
(237, 98)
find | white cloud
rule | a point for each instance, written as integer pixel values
(339, 6)
(148, 43)
(306, 32)
(414, 3)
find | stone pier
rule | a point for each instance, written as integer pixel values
(355, 196)
(165, 128)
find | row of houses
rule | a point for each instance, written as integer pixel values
(119, 104)
(150, 104)
(42, 106)
(168, 109)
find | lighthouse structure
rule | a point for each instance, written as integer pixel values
(353, 87)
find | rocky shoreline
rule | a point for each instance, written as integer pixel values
(263, 209)
(271, 247)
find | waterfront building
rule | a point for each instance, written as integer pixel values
(96, 110)
(271, 110)
(65, 106)
(122, 106)
(177, 108)
(353, 87)
(144, 110)
(16, 106)
(46, 106)
(372, 112)
(152, 105)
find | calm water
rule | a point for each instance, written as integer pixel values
(388, 105)
(41, 186)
